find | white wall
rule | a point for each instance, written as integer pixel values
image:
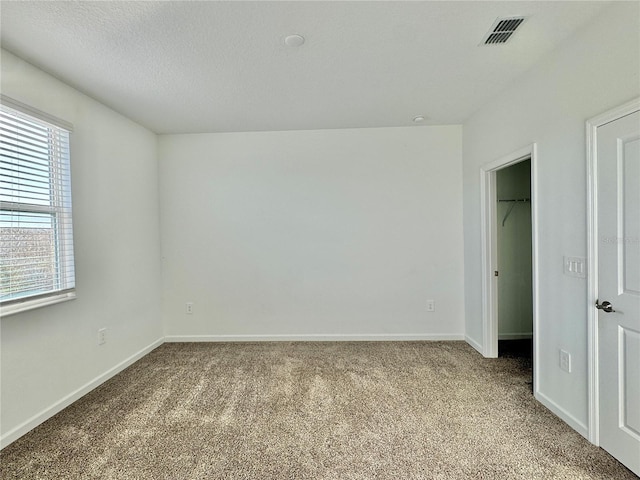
(50, 353)
(595, 70)
(308, 233)
(515, 299)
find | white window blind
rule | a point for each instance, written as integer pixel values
(36, 233)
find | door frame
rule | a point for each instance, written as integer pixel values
(592, 125)
(488, 226)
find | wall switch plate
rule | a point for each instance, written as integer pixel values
(431, 306)
(575, 267)
(102, 336)
(565, 361)
(189, 308)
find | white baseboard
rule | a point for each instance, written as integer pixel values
(515, 336)
(373, 337)
(565, 416)
(474, 344)
(33, 422)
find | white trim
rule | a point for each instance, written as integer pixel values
(515, 336)
(535, 222)
(510, 159)
(476, 345)
(563, 414)
(592, 259)
(489, 254)
(487, 218)
(34, 112)
(15, 433)
(371, 337)
(30, 304)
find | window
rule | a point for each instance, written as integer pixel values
(36, 234)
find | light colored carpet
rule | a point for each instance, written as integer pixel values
(392, 410)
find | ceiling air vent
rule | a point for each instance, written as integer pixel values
(501, 30)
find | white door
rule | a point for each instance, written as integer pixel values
(618, 203)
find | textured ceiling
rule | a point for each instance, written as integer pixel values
(180, 67)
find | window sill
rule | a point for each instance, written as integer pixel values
(31, 304)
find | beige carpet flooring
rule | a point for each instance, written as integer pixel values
(405, 410)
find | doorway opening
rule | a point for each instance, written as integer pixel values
(514, 262)
(509, 231)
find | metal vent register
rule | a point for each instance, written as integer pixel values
(501, 30)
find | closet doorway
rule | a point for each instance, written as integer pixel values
(509, 257)
(514, 261)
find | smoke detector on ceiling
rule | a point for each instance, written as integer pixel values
(294, 40)
(502, 30)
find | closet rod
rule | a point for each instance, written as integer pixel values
(514, 201)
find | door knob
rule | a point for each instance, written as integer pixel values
(605, 306)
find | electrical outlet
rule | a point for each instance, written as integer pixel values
(431, 305)
(102, 336)
(189, 308)
(565, 361)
